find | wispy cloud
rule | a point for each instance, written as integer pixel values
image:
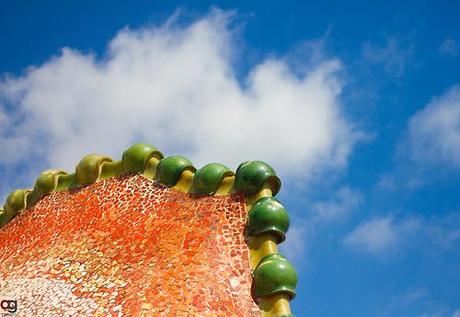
(434, 131)
(175, 86)
(338, 206)
(417, 301)
(449, 47)
(414, 296)
(321, 214)
(394, 55)
(296, 247)
(442, 312)
(380, 235)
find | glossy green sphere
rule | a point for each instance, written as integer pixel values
(45, 183)
(267, 215)
(169, 169)
(208, 178)
(275, 275)
(135, 158)
(251, 177)
(15, 202)
(87, 171)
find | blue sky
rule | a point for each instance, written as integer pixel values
(355, 104)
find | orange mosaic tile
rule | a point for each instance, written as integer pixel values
(128, 246)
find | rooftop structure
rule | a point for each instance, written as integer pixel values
(147, 235)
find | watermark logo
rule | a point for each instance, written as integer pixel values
(10, 306)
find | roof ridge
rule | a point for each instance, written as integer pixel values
(274, 277)
(150, 162)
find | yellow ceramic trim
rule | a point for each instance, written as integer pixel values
(275, 306)
(259, 247)
(185, 182)
(226, 186)
(150, 170)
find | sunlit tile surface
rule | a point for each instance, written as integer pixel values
(128, 247)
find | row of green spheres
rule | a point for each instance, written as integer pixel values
(274, 274)
(250, 176)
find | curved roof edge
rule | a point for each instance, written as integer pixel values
(145, 159)
(274, 277)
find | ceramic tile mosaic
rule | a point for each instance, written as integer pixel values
(128, 246)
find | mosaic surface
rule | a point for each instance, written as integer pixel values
(128, 246)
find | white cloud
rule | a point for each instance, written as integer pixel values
(339, 206)
(380, 235)
(385, 234)
(374, 236)
(176, 88)
(442, 312)
(296, 245)
(434, 132)
(305, 228)
(443, 232)
(414, 296)
(449, 47)
(394, 55)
